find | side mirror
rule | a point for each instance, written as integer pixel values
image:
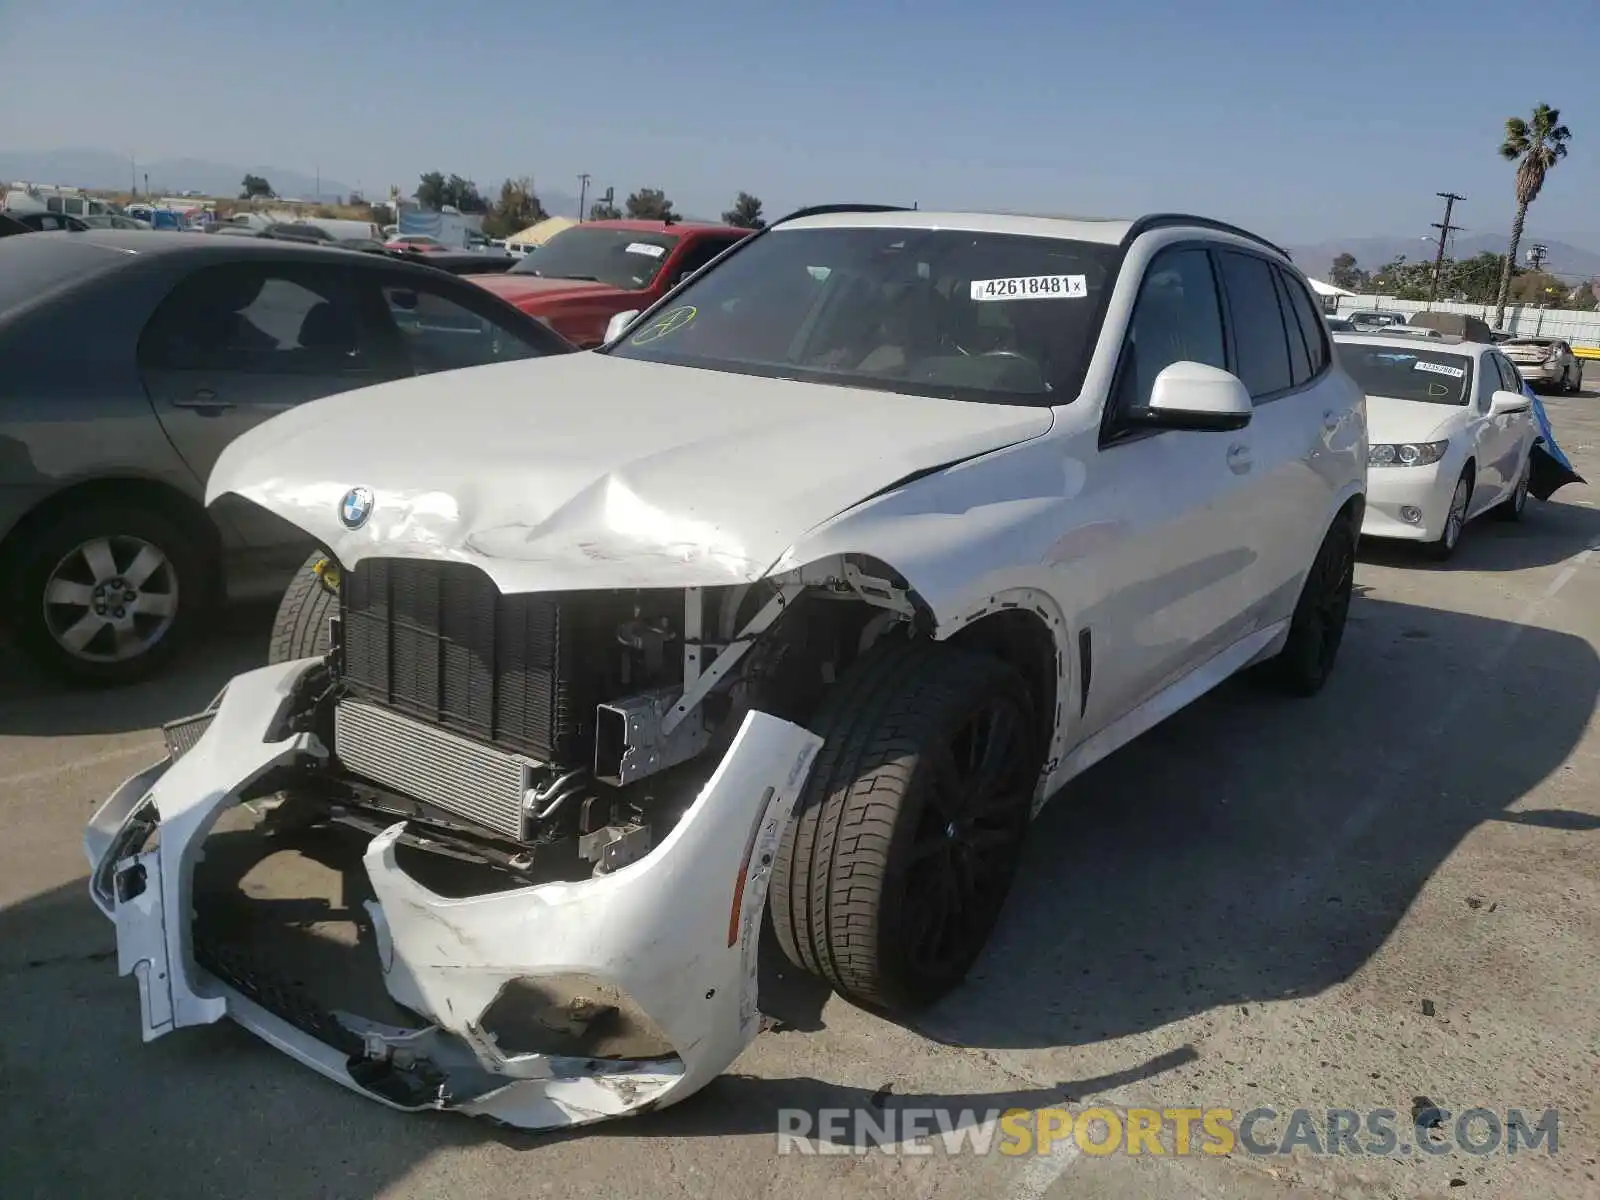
(618, 325)
(1504, 404)
(1195, 396)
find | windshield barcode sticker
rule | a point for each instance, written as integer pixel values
(646, 248)
(1032, 287)
(1440, 369)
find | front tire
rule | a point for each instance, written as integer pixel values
(894, 871)
(1455, 521)
(1317, 628)
(106, 594)
(301, 627)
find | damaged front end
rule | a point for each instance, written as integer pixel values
(557, 816)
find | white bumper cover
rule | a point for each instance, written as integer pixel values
(672, 937)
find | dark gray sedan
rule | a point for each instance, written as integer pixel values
(128, 361)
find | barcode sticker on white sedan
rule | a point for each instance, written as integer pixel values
(646, 248)
(1032, 287)
(1440, 369)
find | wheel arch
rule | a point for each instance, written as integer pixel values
(128, 490)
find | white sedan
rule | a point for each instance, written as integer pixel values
(1450, 433)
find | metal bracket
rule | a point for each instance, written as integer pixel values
(729, 658)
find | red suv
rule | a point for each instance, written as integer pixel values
(587, 274)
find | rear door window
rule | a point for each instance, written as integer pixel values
(1309, 319)
(1260, 339)
(265, 319)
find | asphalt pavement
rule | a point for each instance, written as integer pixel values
(1386, 897)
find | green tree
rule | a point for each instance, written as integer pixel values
(436, 192)
(255, 187)
(1403, 280)
(517, 208)
(431, 191)
(463, 193)
(1348, 275)
(1536, 146)
(1474, 280)
(601, 211)
(650, 204)
(745, 213)
(1539, 289)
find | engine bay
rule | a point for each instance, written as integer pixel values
(556, 736)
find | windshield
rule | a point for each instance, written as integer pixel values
(1431, 376)
(624, 258)
(940, 312)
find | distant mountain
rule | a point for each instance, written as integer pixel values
(1565, 259)
(101, 169)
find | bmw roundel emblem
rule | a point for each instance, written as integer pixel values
(356, 507)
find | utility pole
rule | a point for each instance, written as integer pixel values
(583, 196)
(1445, 228)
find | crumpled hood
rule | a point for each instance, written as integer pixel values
(1392, 421)
(588, 471)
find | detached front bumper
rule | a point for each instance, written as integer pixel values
(667, 944)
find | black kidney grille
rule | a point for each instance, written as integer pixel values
(439, 641)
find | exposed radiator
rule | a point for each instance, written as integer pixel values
(433, 765)
(438, 641)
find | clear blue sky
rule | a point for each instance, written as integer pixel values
(1303, 120)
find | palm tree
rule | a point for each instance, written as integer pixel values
(1535, 146)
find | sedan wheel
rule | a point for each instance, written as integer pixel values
(111, 599)
(105, 594)
(1455, 520)
(1513, 506)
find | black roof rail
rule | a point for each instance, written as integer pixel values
(821, 210)
(1166, 220)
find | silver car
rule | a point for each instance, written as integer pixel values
(128, 361)
(1545, 362)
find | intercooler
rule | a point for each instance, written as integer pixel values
(458, 775)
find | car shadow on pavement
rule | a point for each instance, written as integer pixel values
(32, 705)
(1248, 849)
(1551, 531)
(1254, 848)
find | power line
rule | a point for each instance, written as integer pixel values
(1445, 229)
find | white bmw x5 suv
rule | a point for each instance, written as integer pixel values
(776, 617)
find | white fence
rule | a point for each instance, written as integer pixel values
(1582, 329)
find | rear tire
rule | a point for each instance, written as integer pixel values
(1514, 505)
(892, 874)
(107, 594)
(1317, 628)
(301, 629)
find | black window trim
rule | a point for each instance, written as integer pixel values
(1275, 265)
(1292, 332)
(383, 272)
(1293, 279)
(1114, 431)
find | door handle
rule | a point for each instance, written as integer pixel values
(1239, 458)
(204, 401)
